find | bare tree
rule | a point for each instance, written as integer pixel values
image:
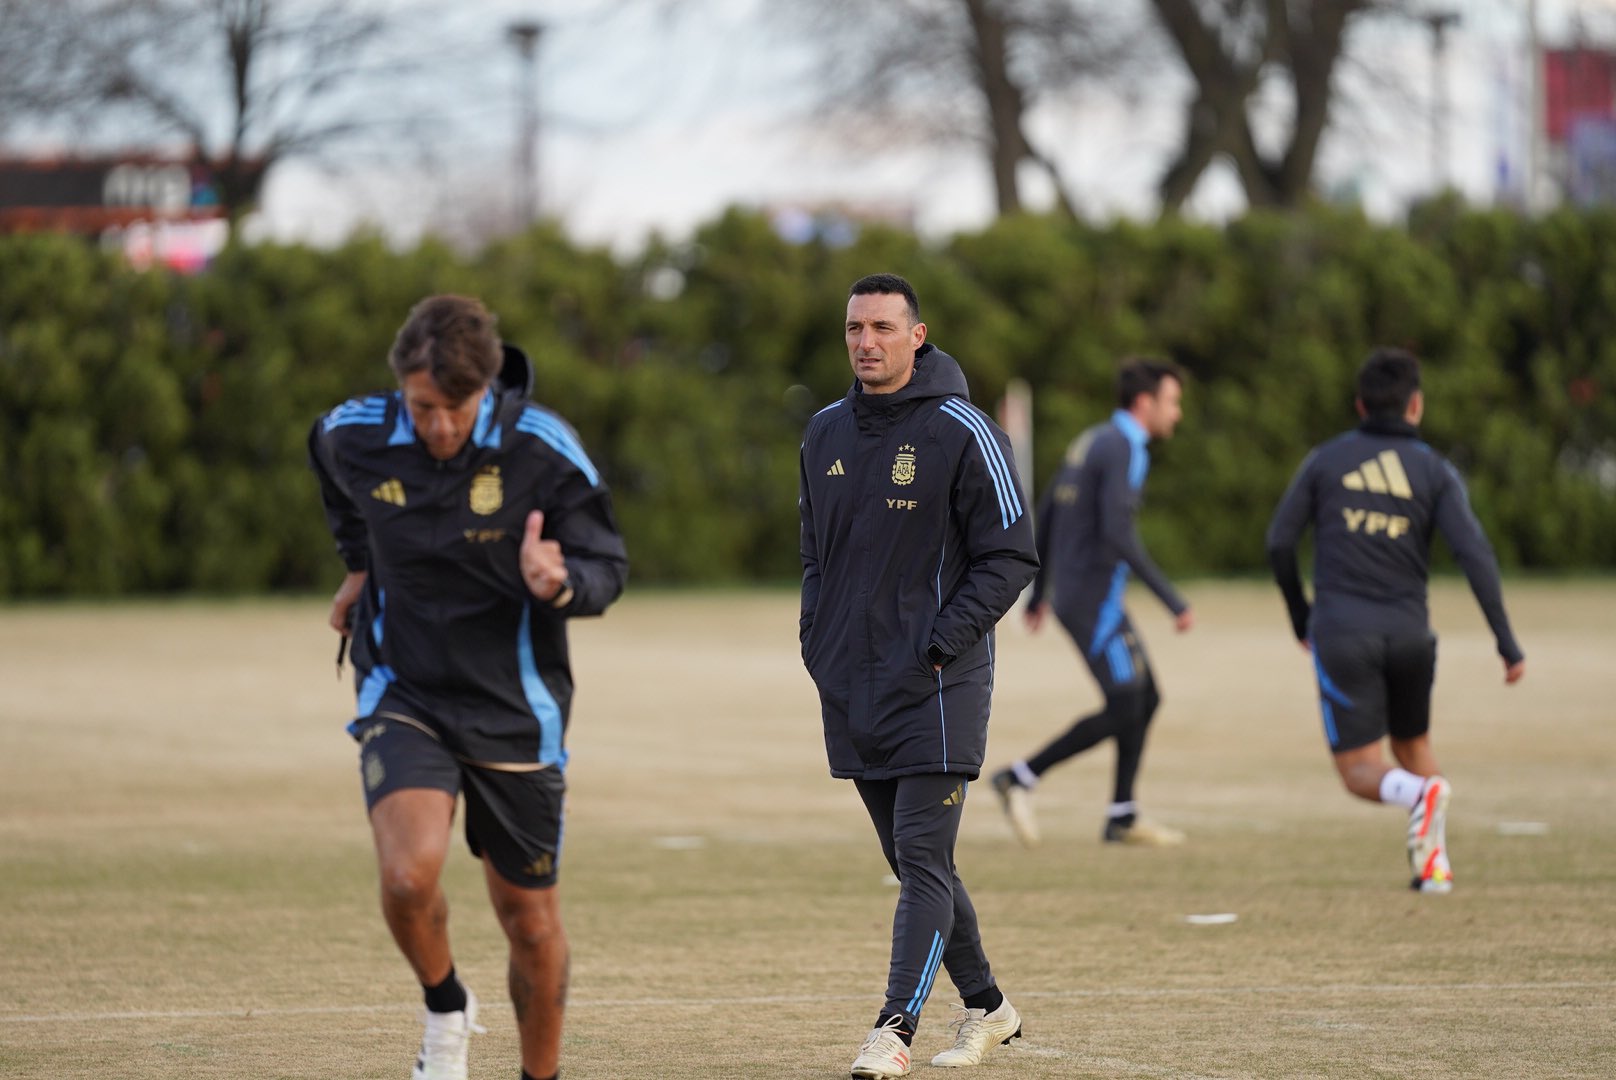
(1238, 50)
(246, 84)
(965, 69)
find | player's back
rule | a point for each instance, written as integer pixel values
(1079, 556)
(1374, 494)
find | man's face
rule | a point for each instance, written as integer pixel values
(1162, 409)
(881, 341)
(442, 424)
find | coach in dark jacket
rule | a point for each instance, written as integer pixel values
(915, 542)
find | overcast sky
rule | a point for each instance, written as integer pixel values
(656, 123)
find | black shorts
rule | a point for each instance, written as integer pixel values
(513, 813)
(1374, 685)
(1114, 653)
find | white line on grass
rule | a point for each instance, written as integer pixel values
(1114, 1066)
(1322, 990)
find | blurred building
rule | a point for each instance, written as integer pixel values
(156, 210)
(1579, 122)
(836, 223)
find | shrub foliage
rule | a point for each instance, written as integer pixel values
(152, 426)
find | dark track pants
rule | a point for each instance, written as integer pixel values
(1122, 669)
(917, 819)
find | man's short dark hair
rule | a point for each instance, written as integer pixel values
(1144, 375)
(887, 284)
(1387, 381)
(453, 339)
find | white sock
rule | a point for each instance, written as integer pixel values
(1401, 788)
(1123, 809)
(1024, 776)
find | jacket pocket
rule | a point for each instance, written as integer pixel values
(924, 643)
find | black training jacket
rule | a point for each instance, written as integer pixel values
(1374, 496)
(1087, 539)
(914, 535)
(447, 620)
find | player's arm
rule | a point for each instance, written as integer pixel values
(347, 526)
(1458, 525)
(808, 548)
(1115, 500)
(578, 528)
(1291, 517)
(1043, 519)
(998, 541)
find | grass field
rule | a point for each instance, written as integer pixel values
(187, 887)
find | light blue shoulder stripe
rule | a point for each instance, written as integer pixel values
(951, 407)
(1004, 482)
(560, 437)
(486, 433)
(974, 419)
(370, 410)
(404, 426)
(1139, 456)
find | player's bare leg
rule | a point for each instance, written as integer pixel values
(1415, 755)
(531, 919)
(411, 828)
(1362, 769)
(1427, 824)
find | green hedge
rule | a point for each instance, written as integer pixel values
(152, 426)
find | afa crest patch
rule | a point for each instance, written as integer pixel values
(487, 492)
(903, 466)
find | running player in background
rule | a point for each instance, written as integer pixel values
(1374, 496)
(1087, 545)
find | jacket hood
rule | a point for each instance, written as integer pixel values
(515, 371)
(936, 375)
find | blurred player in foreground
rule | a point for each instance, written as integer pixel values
(1087, 544)
(1373, 497)
(914, 545)
(473, 526)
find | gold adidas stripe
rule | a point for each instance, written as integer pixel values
(1382, 475)
(1396, 478)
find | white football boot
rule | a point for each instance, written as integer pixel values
(1017, 800)
(1428, 839)
(979, 1031)
(446, 1043)
(883, 1054)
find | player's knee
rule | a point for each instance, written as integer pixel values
(1131, 705)
(533, 922)
(918, 868)
(407, 885)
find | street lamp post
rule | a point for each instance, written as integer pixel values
(525, 36)
(1439, 22)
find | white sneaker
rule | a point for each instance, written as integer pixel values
(1142, 833)
(883, 1054)
(1017, 800)
(447, 1043)
(1428, 839)
(979, 1032)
